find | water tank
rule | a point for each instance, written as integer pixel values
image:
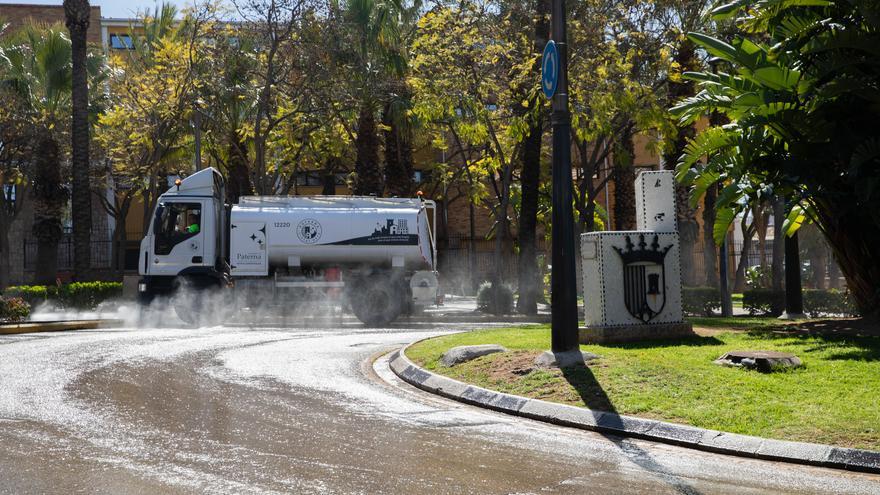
(307, 230)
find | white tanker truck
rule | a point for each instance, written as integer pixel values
(379, 253)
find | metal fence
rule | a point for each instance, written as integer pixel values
(464, 262)
(102, 252)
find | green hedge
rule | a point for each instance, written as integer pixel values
(817, 302)
(14, 309)
(763, 301)
(78, 295)
(700, 301)
(832, 302)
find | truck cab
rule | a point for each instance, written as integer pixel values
(186, 237)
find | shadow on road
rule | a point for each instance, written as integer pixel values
(594, 397)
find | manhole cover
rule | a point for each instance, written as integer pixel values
(763, 361)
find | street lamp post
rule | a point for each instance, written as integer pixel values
(563, 286)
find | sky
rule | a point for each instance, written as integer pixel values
(111, 8)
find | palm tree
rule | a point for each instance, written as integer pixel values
(35, 66)
(76, 13)
(375, 55)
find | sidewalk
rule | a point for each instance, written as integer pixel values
(56, 326)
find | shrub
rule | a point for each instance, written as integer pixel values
(87, 295)
(32, 294)
(763, 301)
(14, 309)
(830, 302)
(700, 301)
(78, 295)
(758, 277)
(487, 301)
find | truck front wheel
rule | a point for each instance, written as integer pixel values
(377, 300)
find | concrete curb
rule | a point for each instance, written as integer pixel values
(56, 326)
(629, 426)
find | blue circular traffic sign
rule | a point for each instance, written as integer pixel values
(550, 69)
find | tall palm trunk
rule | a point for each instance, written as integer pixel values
(368, 174)
(398, 153)
(624, 182)
(239, 183)
(76, 14)
(49, 200)
(329, 178)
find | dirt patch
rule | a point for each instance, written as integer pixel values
(510, 365)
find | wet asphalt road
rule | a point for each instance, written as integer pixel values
(271, 410)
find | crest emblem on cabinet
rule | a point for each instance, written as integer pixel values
(644, 277)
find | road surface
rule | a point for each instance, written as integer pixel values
(307, 410)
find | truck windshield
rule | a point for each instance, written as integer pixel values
(175, 223)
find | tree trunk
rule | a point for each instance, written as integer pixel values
(49, 200)
(148, 197)
(624, 182)
(501, 236)
(688, 228)
(368, 180)
(739, 283)
(239, 183)
(777, 268)
(530, 178)
(833, 274)
(710, 250)
(818, 262)
(76, 14)
(398, 150)
(328, 180)
(472, 247)
(5, 265)
(529, 278)
(778, 265)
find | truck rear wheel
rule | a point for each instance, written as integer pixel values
(376, 301)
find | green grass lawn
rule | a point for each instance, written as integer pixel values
(834, 398)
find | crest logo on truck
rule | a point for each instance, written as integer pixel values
(309, 231)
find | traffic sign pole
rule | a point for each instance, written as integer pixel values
(563, 286)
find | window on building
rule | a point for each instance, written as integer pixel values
(421, 176)
(9, 193)
(309, 179)
(121, 42)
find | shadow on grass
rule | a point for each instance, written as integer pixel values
(848, 339)
(694, 341)
(594, 397)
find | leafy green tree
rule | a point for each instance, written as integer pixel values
(463, 72)
(145, 130)
(800, 89)
(16, 148)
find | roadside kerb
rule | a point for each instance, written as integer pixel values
(56, 326)
(629, 426)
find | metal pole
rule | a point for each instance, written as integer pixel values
(724, 281)
(563, 287)
(197, 124)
